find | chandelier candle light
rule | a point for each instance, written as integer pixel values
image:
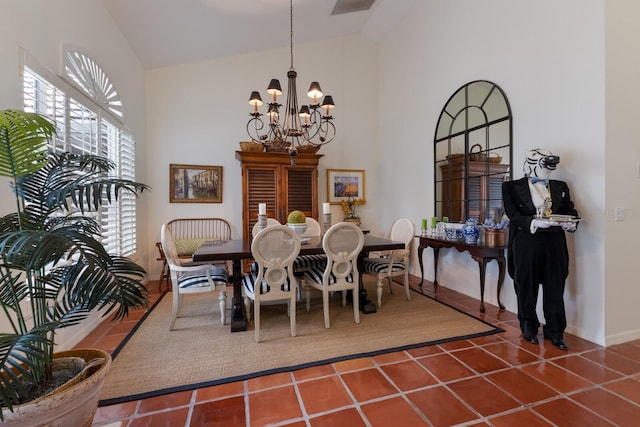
(300, 127)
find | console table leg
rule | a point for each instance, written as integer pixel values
(420, 251)
(482, 266)
(436, 253)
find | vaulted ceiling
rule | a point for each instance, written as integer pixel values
(170, 32)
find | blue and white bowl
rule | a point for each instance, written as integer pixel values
(453, 233)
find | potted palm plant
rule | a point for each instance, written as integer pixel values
(54, 271)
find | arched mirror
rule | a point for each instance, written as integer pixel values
(472, 152)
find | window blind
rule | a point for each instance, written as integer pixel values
(84, 126)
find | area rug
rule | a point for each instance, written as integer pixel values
(201, 352)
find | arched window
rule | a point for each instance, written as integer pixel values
(88, 113)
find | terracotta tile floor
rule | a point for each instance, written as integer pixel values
(499, 380)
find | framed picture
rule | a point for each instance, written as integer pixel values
(195, 184)
(343, 184)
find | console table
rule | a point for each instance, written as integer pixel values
(480, 253)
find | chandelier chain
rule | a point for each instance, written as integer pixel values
(291, 30)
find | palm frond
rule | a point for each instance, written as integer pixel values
(23, 142)
(20, 356)
(81, 179)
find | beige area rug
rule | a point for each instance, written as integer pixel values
(202, 352)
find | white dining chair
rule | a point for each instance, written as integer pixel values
(342, 244)
(256, 226)
(271, 276)
(393, 263)
(304, 262)
(313, 228)
(191, 279)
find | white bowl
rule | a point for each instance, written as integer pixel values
(298, 228)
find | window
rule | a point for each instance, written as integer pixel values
(89, 121)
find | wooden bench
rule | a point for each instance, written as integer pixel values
(190, 233)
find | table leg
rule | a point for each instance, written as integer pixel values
(366, 305)
(420, 251)
(436, 254)
(501, 271)
(482, 266)
(238, 315)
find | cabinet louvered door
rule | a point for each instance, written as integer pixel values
(300, 192)
(494, 198)
(261, 188)
(474, 197)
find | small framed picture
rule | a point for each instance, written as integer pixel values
(195, 184)
(343, 184)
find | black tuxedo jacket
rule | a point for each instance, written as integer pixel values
(519, 207)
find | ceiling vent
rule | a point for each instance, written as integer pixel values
(348, 6)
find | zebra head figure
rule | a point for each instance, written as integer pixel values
(539, 163)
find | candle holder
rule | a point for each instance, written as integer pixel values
(262, 221)
(326, 222)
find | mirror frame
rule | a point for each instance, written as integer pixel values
(473, 152)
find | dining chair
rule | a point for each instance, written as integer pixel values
(303, 262)
(342, 244)
(256, 226)
(393, 263)
(271, 275)
(191, 279)
(313, 228)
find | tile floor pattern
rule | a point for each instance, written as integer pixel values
(499, 380)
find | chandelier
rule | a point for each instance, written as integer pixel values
(311, 125)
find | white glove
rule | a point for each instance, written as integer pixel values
(541, 223)
(569, 226)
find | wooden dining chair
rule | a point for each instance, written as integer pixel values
(271, 276)
(191, 279)
(393, 263)
(342, 244)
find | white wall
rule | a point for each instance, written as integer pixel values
(554, 80)
(40, 27)
(622, 239)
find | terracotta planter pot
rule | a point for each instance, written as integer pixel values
(69, 406)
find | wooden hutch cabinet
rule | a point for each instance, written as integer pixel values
(268, 177)
(484, 188)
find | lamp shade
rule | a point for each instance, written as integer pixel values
(274, 88)
(304, 112)
(328, 102)
(255, 99)
(314, 91)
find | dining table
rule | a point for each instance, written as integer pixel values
(240, 250)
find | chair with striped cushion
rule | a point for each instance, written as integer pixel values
(191, 279)
(271, 277)
(342, 243)
(393, 263)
